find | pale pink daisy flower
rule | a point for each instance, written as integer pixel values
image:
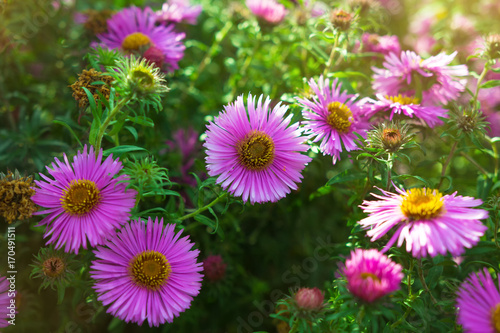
(147, 272)
(408, 74)
(333, 117)
(404, 105)
(85, 201)
(478, 303)
(269, 10)
(254, 150)
(429, 222)
(371, 275)
(177, 11)
(380, 44)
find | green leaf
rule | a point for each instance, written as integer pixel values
(133, 131)
(142, 120)
(206, 221)
(93, 104)
(120, 150)
(69, 129)
(490, 84)
(346, 176)
(60, 294)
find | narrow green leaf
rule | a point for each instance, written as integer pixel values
(120, 150)
(69, 129)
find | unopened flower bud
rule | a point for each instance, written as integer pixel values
(309, 298)
(214, 268)
(341, 19)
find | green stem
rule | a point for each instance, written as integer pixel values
(110, 117)
(219, 37)
(445, 165)
(481, 77)
(204, 208)
(422, 280)
(408, 281)
(332, 54)
(389, 171)
(495, 155)
(295, 327)
(470, 159)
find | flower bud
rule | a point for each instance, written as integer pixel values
(214, 268)
(309, 298)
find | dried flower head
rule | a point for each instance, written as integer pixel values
(87, 79)
(96, 20)
(492, 46)
(54, 267)
(364, 6)
(15, 196)
(341, 19)
(389, 137)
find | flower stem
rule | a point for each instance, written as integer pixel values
(204, 208)
(481, 77)
(332, 54)
(445, 165)
(110, 117)
(389, 171)
(422, 280)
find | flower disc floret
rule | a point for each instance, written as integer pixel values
(150, 269)
(420, 204)
(80, 197)
(338, 117)
(135, 41)
(256, 151)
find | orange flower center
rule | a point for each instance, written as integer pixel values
(338, 116)
(81, 197)
(150, 269)
(135, 41)
(256, 150)
(422, 204)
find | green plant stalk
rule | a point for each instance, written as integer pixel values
(204, 208)
(109, 118)
(481, 78)
(389, 171)
(332, 54)
(219, 37)
(295, 327)
(422, 280)
(479, 167)
(445, 165)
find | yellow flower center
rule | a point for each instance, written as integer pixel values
(365, 276)
(135, 41)
(81, 197)
(405, 100)
(150, 269)
(495, 318)
(256, 151)
(338, 117)
(422, 204)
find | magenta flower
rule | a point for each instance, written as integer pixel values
(254, 152)
(84, 201)
(409, 73)
(309, 298)
(333, 117)
(178, 11)
(147, 272)
(371, 275)
(269, 10)
(478, 304)
(214, 268)
(429, 222)
(4, 301)
(403, 105)
(134, 30)
(380, 44)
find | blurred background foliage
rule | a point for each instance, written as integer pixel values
(228, 53)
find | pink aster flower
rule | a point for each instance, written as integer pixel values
(478, 304)
(214, 268)
(332, 116)
(84, 200)
(309, 298)
(429, 222)
(4, 301)
(134, 30)
(254, 151)
(380, 44)
(147, 272)
(371, 275)
(178, 11)
(437, 81)
(403, 105)
(269, 10)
